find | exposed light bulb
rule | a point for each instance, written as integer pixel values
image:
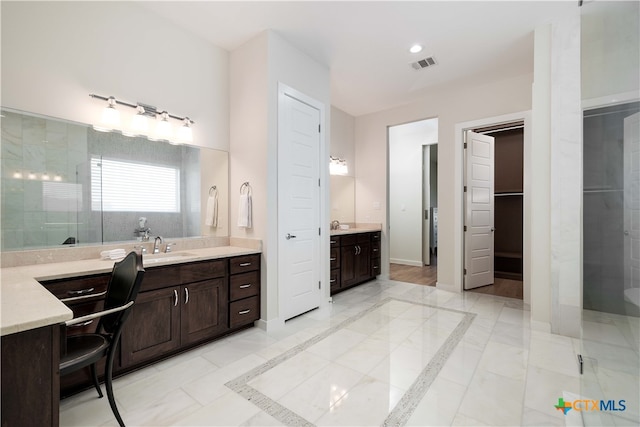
(45, 176)
(57, 178)
(31, 175)
(17, 175)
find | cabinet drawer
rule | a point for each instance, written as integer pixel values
(364, 237)
(244, 312)
(375, 266)
(348, 240)
(375, 249)
(160, 277)
(203, 270)
(334, 257)
(242, 264)
(244, 285)
(334, 241)
(375, 237)
(83, 309)
(334, 280)
(82, 286)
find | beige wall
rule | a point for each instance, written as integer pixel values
(54, 54)
(257, 68)
(451, 106)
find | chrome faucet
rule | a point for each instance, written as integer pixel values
(335, 224)
(156, 244)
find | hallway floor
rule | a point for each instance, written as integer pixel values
(385, 352)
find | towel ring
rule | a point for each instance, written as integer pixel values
(247, 186)
(213, 190)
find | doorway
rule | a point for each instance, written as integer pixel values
(412, 203)
(494, 225)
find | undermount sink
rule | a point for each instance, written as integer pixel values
(163, 257)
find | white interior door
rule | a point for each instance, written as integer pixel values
(298, 206)
(479, 204)
(426, 204)
(632, 201)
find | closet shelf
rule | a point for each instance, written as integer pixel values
(515, 193)
(516, 255)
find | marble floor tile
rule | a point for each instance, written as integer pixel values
(367, 403)
(384, 352)
(439, 406)
(493, 399)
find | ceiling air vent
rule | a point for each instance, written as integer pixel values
(424, 63)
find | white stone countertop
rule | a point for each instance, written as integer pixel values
(357, 229)
(26, 304)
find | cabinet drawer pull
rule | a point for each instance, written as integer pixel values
(248, 285)
(332, 241)
(81, 291)
(244, 311)
(332, 259)
(245, 264)
(375, 250)
(83, 297)
(332, 281)
(175, 297)
(79, 325)
(186, 295)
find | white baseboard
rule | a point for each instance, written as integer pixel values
(447, 287)
(537, 325)
(406, 262)
(272, 325)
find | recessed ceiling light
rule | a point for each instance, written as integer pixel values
(415, 48)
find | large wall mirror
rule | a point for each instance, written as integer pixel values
(343, 189)
(64, 183)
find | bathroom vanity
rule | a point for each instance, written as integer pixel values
(354, 257)
(184, 301)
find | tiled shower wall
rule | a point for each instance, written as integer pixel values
(31, 147)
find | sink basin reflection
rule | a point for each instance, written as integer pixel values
(156, 258)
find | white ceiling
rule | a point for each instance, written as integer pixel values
(365, 43)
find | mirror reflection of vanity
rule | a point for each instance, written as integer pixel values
(343, 198)
(64, 183)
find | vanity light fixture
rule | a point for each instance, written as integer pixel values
(110, 116)
(57, 178)
(185, 133)
(337, 166)
(139, 122)
(17, 175)
(163, 127)
(31, 175)
(45, 176)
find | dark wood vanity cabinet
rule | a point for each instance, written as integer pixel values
(191, 310)
(359, 259)
(244, 290)
(179, 306)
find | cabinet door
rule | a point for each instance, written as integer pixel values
(153, 327)
(348, 272)
(205, 308)
(363, 262)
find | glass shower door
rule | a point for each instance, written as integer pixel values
(611, 213)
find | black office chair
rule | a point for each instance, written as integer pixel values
(87, 349)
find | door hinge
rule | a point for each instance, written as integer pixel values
(465, 228)
(319, 231)
(318, 182)
(465, 146)
(318, 128)
(319, 287)
(464, 189)
(465, 271)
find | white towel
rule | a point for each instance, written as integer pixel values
(244, 211)
(211, 216)
(114, 254)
